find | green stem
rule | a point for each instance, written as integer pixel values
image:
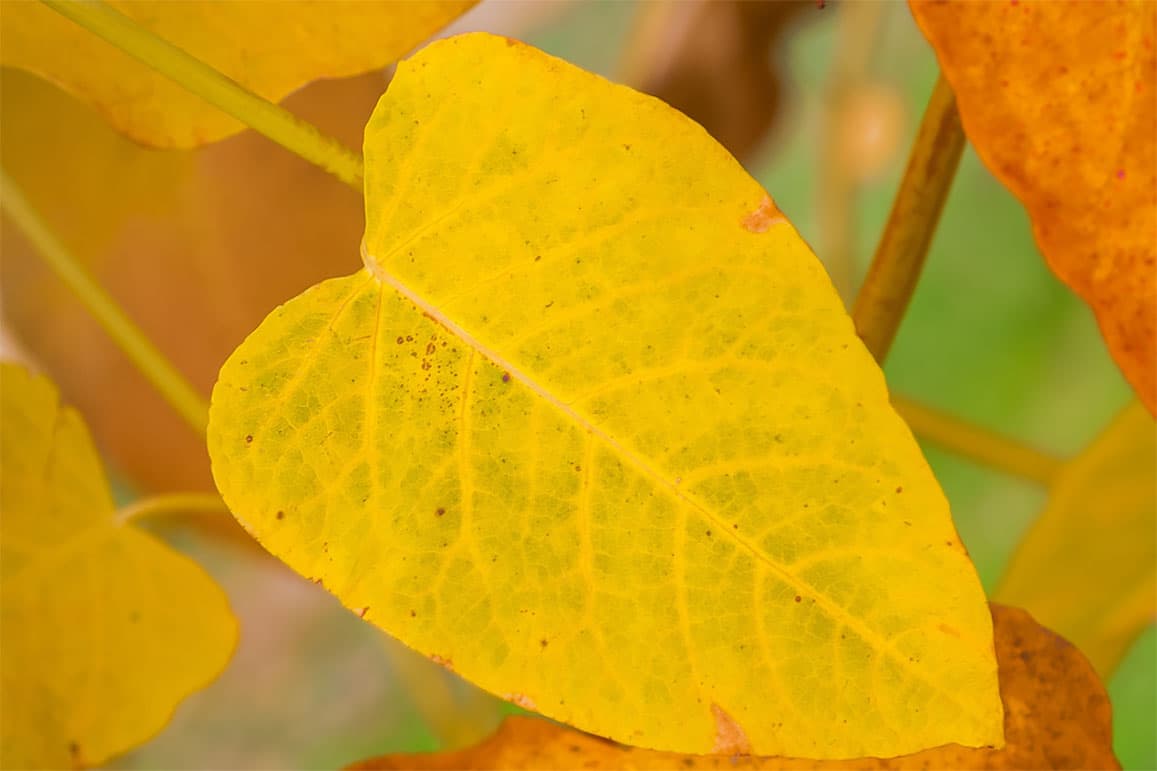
(172, 503)
(151, 362)
(985, 447)
(299, 137)
(892, 277)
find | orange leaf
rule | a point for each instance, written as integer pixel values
(1057, 715)
(1059, 101)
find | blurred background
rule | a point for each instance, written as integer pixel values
(821, 105)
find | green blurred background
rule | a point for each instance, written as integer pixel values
(991, 336)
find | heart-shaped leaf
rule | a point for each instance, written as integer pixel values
(104, 630)
(594, 429)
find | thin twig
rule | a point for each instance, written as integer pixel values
(900, 255)
(153, 364)
(981, 445)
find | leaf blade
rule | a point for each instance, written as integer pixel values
(510, 400)
(93, 610)
(1088, 565)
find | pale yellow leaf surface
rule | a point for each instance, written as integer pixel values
(1088, 566)
(270, 48)
(593, 429)
(104, 630)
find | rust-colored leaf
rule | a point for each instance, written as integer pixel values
(234, 228)
(1059, 101)
(1057, 715)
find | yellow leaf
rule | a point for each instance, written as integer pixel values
(103, 629)
(1058, 717)
(593, 428)
(270, 48)
(1088, 566)
(1060, 100)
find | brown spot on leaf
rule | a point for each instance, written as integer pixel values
(248, 438)
(761, 220)
(280, 515)
(729, 736)
(949, 630)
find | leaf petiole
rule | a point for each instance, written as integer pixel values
(171, 503)
(301, 138)
(978, 444)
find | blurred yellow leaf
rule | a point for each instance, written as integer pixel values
(1058, 716)
(104, 630)
(192, 244)
(270, 48)
(1088, 566)
(594, 429)
(1060, 101)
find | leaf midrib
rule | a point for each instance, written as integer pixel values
(837, 614)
